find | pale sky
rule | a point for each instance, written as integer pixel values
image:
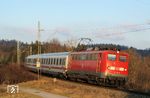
(124, 22)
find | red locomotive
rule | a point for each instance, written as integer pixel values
(106, 66)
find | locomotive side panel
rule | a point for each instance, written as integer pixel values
(85, 65)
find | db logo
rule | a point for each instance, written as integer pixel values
(12, 89)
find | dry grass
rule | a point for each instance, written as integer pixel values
(19, 95)
(3, 94)
(73, 90)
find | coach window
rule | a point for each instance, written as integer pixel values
(75, 57)
(122, 58)
(78, 57)
(111, 57)
(45, 61)
(51, 61)
(42, 61)
(63, 61)
(58, 61)
(93, 56)
(54, 62)
(48, 60)
(32, 60)
(88, 56)
(82, 57)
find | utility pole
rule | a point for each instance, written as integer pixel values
(18, 53)
(38, 65)
(30, 50)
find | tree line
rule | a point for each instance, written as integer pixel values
(8, 49)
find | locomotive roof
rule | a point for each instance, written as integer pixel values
(100, 51)
(64, 54)
(45, 55)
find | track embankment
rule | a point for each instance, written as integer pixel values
(78, 90)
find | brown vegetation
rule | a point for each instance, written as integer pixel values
(12, 74)
(73, 89)
(139, 68)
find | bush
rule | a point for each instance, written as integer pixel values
(139, 68)
(12, 74)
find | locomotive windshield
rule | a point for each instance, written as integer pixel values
(111, 57)
(122, 58)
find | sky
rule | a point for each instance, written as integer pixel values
(124, 22)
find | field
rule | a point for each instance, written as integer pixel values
(75, 90)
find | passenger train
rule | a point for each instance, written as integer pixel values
(102, 67)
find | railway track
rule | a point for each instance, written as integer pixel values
(135, 92)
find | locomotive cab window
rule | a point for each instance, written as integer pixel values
(122, 58)
(111, 57)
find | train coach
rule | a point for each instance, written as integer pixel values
(50, 63)
(102, 67)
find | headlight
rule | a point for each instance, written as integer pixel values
(121, 69)
(111, 67)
